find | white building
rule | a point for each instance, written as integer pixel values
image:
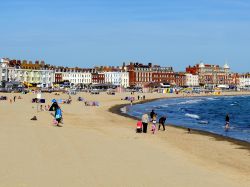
(3, 71)
(42, 77)
(118, 78)
(77, 77)
(191, 80)
(245, 81)
(31, 75)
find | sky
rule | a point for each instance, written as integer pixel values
(87, 33)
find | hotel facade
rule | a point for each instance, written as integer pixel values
(117, 78)
(211, 75)
(75, 76)
(26, 72)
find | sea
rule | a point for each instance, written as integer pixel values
(202, 113)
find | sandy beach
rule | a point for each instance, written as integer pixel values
(96, 147)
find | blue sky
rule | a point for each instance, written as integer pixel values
(108, 32)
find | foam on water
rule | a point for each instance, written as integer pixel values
(190, 102)
(204, 122)
(194, 116)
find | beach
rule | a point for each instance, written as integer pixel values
(96, 147)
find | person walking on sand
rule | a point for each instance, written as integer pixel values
(227, 122)
(144, 123)
(14, 99)
(162, 121)
(58, 115)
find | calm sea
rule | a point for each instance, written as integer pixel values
(203, 113)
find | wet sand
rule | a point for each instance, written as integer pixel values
(98, 148)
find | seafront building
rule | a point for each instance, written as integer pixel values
(211, 75)
(191, 80)
(117, 78)
(143, 75)
(133, 74)
(98, 78)
(4, 70)
(75, 76)
(38, 73)
(244, 81)
(163, 75)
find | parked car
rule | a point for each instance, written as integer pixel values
(95, 91)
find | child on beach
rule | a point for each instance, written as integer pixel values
(139, 127)
(153, 124)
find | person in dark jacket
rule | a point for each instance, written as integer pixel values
(227, 122)
(162, 121)
(152, 114)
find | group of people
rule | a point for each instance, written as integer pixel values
(142, 125)
(141, 97)
(46, 107)
(14, 99)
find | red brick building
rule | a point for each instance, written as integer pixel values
(180, 79)
(98, 78)
(142, 75)
(139, 74)
(163, 75)
(58, 77)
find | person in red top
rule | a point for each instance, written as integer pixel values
(139, 127)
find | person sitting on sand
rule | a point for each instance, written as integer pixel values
(34, 118)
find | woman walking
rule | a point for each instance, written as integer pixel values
(145, 123)
(58, 116)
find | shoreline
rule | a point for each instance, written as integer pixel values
(116, 109)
